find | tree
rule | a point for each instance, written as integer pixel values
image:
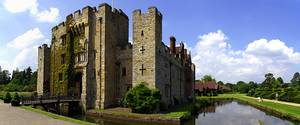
(242, 87)
(207, 78)
(4, 77)
(141, 99)
(220, 83)
(252, 85)
(296, 79)
(269, 82)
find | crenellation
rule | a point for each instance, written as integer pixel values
(77, 14)
(137, 12)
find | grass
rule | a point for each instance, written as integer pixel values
(284, 110)
(55, 116)
(183, 111)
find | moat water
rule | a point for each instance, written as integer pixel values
(218, 113)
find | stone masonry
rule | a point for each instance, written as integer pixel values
(90, 56)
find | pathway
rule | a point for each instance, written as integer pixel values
(16, 116)
(276, 101)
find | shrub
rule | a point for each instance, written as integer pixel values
(15, 100)
(7, 98)
(141, 99)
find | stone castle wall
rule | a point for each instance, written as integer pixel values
(43, 80)
(90, 55)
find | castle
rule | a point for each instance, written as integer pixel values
(90, 56)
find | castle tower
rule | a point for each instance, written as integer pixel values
(43, 78)
(147, 36)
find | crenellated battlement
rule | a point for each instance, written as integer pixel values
(84, 12)
(151, 10)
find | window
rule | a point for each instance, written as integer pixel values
(60, 76)
(63, 58)
(63, 40)
(142, 33)
(167, 91)
(124, 71)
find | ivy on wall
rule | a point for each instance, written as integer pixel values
(70, 49)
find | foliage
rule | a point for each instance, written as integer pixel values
(16, 97)
(7, 98)
(15, 100)
(141, 99)
(207, 78)
(20, 81)
(4, 77)
(295, 81)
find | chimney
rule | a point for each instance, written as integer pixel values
(173, 44)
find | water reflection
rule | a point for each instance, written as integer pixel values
(234, 113)
(226, 112)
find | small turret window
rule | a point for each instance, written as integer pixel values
(142, 33)
(123, 71)
(63, 59)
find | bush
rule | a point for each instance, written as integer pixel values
(141, 99)
(7, 98)
(15, 100)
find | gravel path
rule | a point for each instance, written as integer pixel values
(281, 102)
(16, 116)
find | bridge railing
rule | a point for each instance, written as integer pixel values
(48, 99)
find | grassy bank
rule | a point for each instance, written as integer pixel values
(283, 110)
(172, 116)
(55, 116)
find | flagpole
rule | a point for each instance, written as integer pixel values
(112, 4)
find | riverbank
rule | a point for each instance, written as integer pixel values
(174, 116)
(280, 109)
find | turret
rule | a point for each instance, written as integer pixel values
(173, 44)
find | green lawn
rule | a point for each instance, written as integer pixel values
(55, 116)
(183, 111)
(283, 110)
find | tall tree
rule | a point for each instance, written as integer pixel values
(221, 83)
(4, 77)
(207, 78)
(296, 79)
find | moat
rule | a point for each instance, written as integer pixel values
(219, 113)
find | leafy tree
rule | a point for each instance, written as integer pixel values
(296, 79)
(270, 81)
(220, 83)
(242, 87)
(207, 78)
(141, 99)
(4, 77)
(21, 81)
(7, 98)
(252, 85)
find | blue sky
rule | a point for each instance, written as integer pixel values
(230, 39)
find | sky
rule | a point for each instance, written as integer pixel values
(231, 40)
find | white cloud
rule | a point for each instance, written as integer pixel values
(213, 55)
(18, 6)
(27, 39)
(48, 15)
(26, 57)
(22, 50)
